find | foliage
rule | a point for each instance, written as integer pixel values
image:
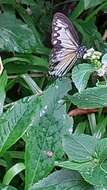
(41, 146)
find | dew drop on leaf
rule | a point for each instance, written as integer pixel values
(60, 101)
(43, 111)
(70, 130)
(56, 86)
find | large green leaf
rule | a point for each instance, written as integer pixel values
(95, 97)
(79, 148)
(94, 171)
(15, 36)
(15, 122)
(5, 187)
(84, 70)
(43, 141)
(97, 175)
(62, 180)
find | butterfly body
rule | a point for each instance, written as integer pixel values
(81, 51)
(66, 46)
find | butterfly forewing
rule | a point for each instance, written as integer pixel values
(65, 43)
(63, 32)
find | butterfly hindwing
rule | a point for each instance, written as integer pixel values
(60, 68)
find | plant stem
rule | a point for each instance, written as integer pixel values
(92, 122)
(32, 84)
(33, 75)
(8, 105)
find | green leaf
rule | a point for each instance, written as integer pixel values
(94, 171)
(3, 82)
(23, 63)
(62, 180)
(101, 149)
(84, 70)
(92, 122)
(15, 122)
(81, 127)
(80, 167)
(96, 174)
(100, 128)
(15, 36)
(89, 32)
(95, 11)
(12, 172)
(78, 10)
(95, 97)
(43, 141)
(3, 163)
(91, 3)
(99, 188)
(14, 154)
(28, 59)
(79, 148)
(5, 187)
(86, 4)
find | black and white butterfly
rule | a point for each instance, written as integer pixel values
(66, 46)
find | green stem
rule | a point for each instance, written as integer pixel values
(8, 105)
(32, 84)
(92, 122)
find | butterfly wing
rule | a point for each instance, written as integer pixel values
(65, 43)
(60, 68)
(63, 32)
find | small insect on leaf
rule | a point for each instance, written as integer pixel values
(66, 46)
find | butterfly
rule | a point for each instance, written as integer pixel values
(66, 46)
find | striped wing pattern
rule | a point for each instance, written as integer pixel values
(65, 43)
